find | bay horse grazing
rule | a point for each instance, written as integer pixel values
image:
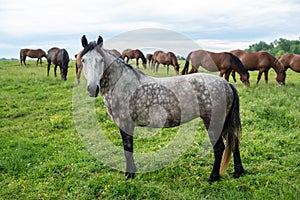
(291, 61)
(261, 61)
(134, 54)
(169, 58)
(59, 57)
(135, 99)
(149, 58)
(117, 53)
(32, 53)
(224, 62)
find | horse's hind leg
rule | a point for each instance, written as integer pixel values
(261, 71)
(238, 167)
(218, 153)
(55, 67)
(128, 151)
(219, 148)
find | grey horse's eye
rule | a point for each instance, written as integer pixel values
(82, 60)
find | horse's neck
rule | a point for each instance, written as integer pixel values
(276, 65)
(115, 71)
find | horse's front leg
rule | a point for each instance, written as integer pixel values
(48, 69)
(233, 76)
(128, 151)
(266, 76)
(137, 62)
(227, 74)
(156, 69)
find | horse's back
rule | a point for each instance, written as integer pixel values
(290, 60)
(23, 51)
(250, 60)
(52, 54)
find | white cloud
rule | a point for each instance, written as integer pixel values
(219, 23)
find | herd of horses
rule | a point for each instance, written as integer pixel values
(139, 99)
(227, 63)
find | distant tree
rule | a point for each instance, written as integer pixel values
(261, 46)
(278, 47)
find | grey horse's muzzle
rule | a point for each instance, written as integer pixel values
(93, 90)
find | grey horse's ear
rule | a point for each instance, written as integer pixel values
(100, 41)
(84, 41)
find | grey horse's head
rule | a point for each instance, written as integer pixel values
(93, 64)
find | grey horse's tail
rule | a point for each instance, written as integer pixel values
(231, 130)
(186, 65)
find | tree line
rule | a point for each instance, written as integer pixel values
(278, 47)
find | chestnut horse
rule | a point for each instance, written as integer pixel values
(59, 57)
(169, 58)
(78, 65)
(134, 54)
(261, 61)
(224, 62)
(32, 53)
(290, 60)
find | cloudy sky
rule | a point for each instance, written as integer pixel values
(214, 25)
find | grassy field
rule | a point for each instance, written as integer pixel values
(43, 157)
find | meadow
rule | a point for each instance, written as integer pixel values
(44, 157)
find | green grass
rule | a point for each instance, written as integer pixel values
(43, 157)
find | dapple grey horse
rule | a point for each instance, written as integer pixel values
(135, 99)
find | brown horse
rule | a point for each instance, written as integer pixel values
(78, 64)
(116, 52)
(290, 60)
(149, 58)
(169, 58)
(261, 61)
(134, 54)
(32, 53)
(224, 62)
(59, 57)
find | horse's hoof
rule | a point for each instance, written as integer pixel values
(239, 173)
(213, 178)
(129, 175)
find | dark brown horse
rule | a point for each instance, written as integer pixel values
(224, 62)
(59, 57)
(290, 60)
(32, 53)
(134, 54)
(169, 58)
(261, 61)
